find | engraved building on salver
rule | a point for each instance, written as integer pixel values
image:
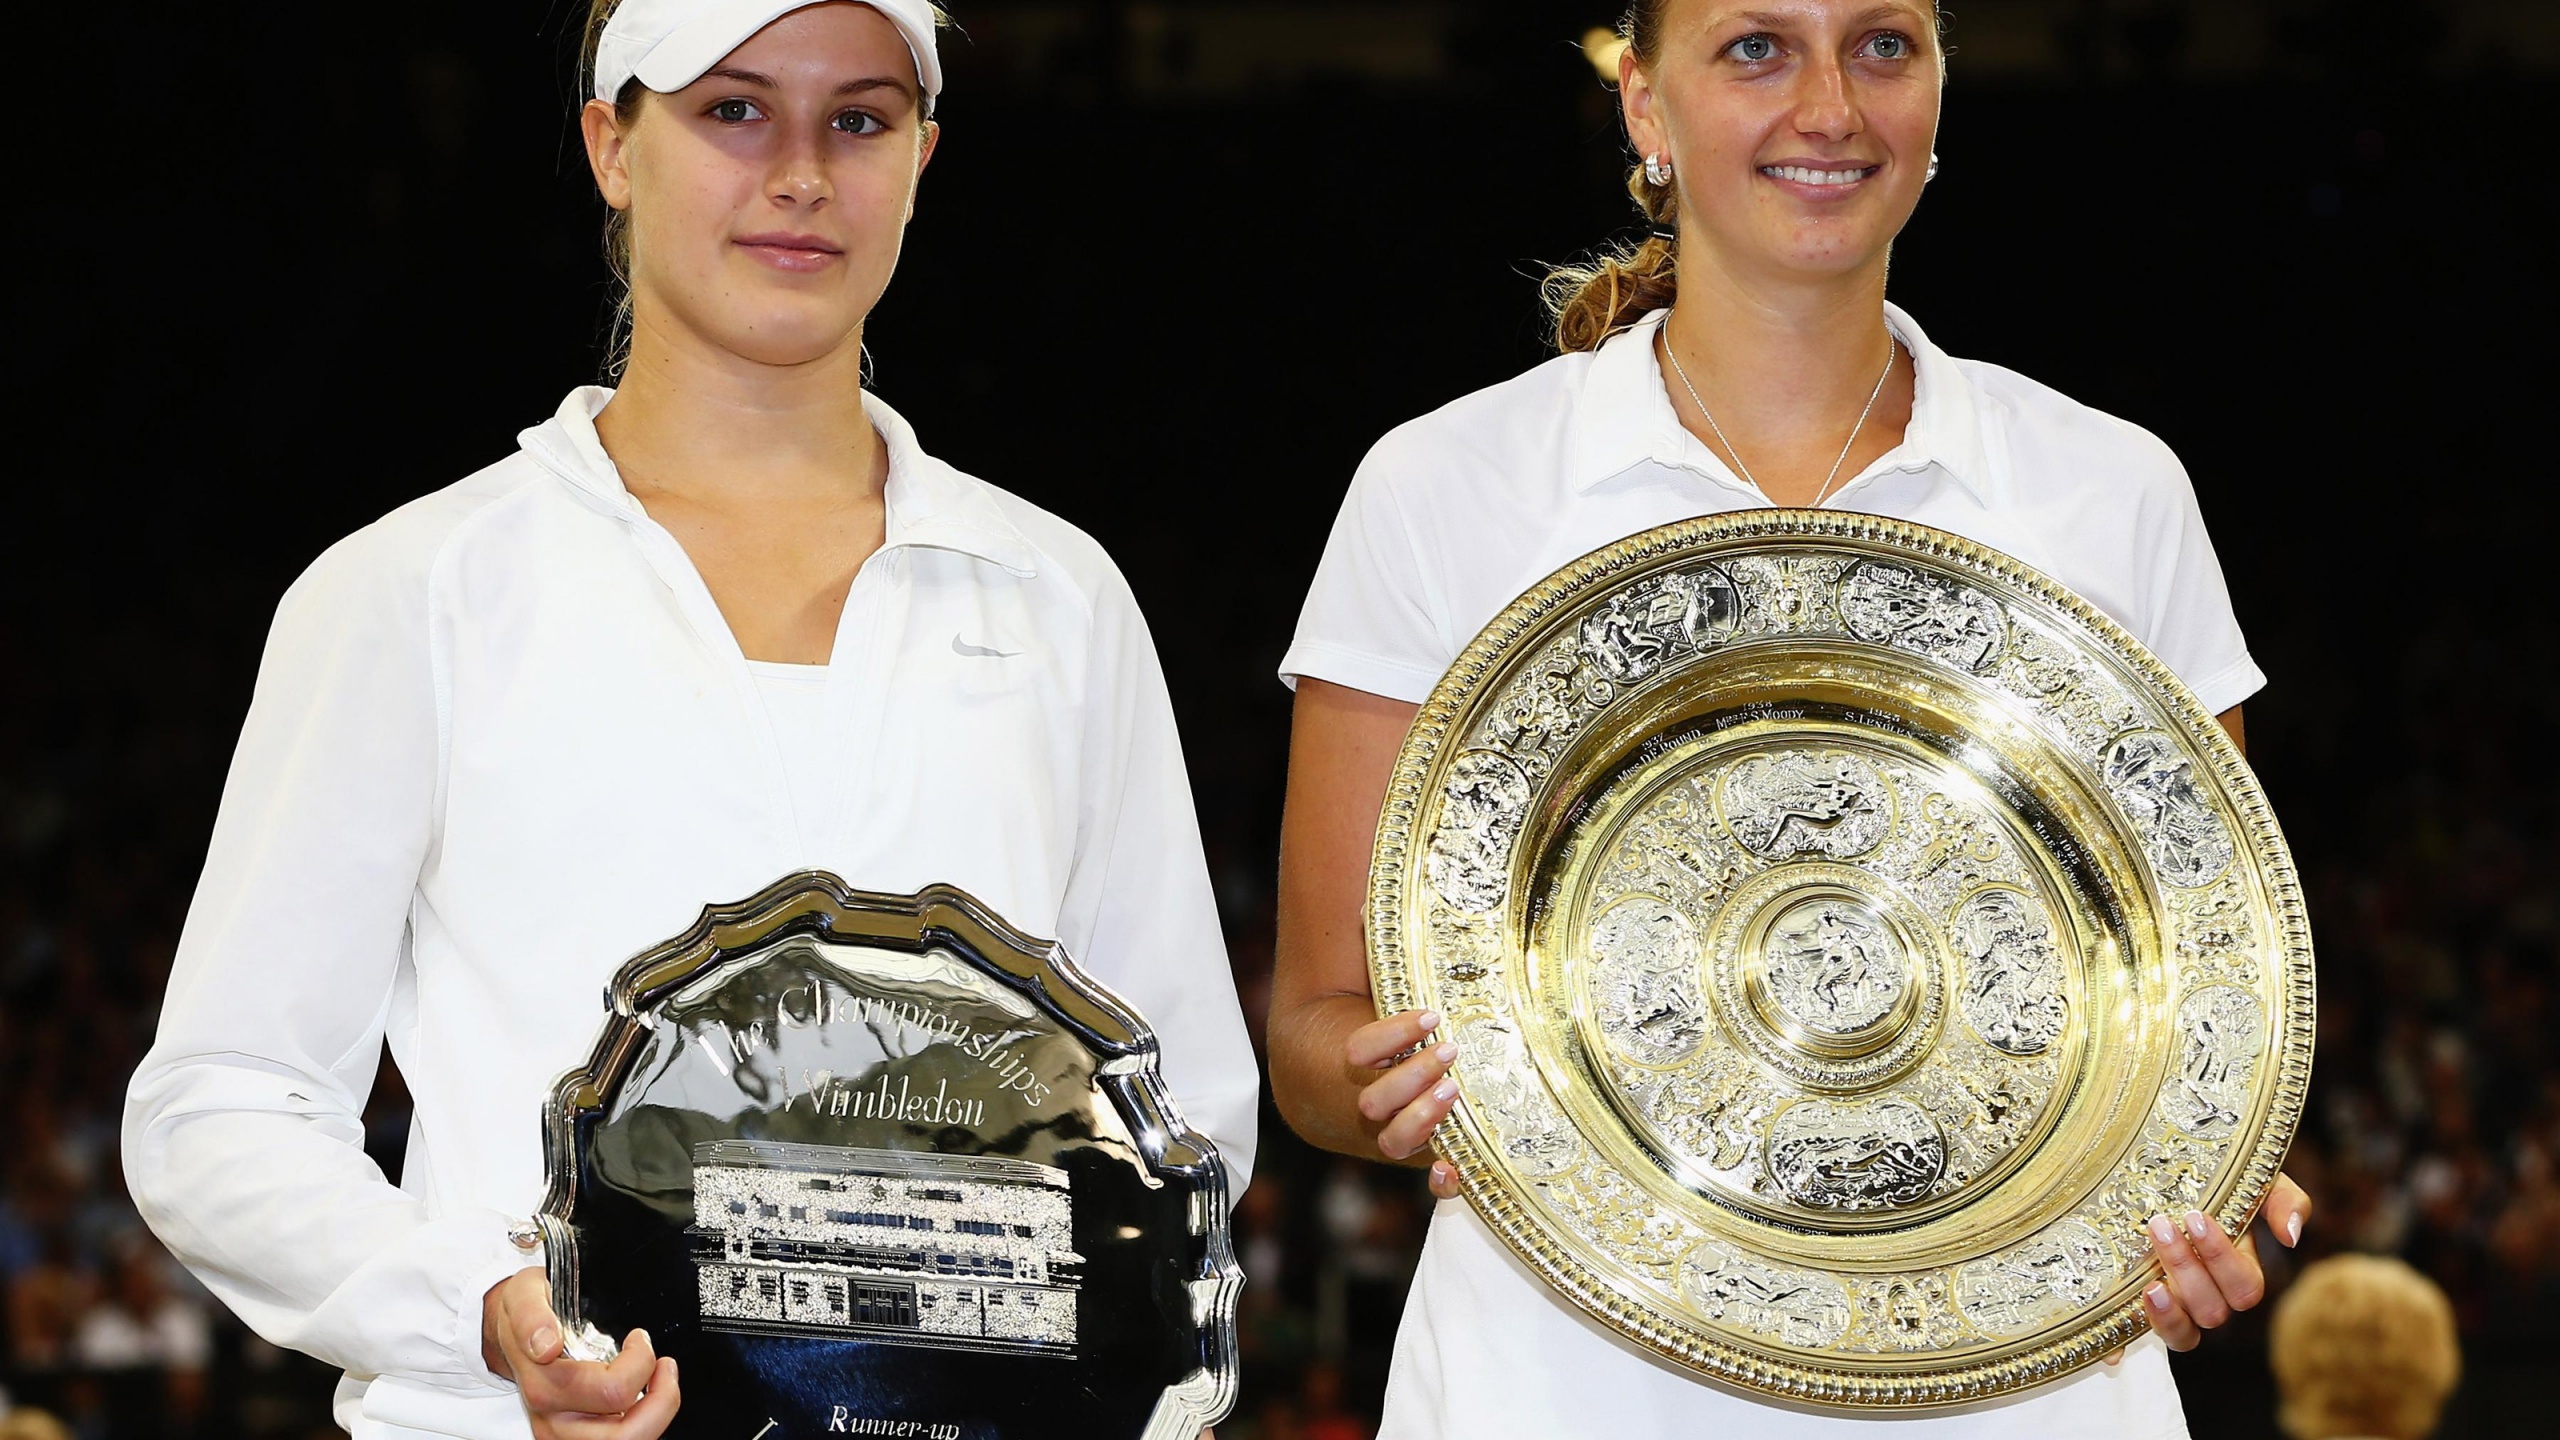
(955, 1251)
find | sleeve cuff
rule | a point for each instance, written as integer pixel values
(492, 1262)
(2229, 685)
(1393, 679)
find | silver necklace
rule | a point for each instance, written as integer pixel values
(1891, 346)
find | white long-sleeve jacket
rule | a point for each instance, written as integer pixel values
(502, 740)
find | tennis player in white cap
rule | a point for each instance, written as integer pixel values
(722, 623)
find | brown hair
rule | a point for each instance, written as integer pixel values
(2362, 1345)
(1595, 299)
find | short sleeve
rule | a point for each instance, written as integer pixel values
(2187, 617)
(1368, 622)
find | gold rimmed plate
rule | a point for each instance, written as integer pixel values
(1851, 937)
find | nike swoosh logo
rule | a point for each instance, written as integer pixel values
(963, 647)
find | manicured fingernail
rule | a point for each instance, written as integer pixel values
(2195, 1223)
(1429, 1020)
(2163, 1234)
(1446, 1054)
(1445, 1090)
(2157, 1297)
(2293, 1229)
(544, 1339)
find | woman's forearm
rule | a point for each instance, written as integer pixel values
(1312, 1083)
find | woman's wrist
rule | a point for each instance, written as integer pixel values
(1313, 1083)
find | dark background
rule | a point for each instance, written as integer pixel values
(280, 268)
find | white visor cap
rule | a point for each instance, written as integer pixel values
(667, 44)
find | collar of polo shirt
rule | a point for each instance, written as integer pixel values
(668, 44)
(1622, 415)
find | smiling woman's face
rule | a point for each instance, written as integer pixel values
(767, 200)
(1798, 130)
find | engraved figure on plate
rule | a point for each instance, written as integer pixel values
(1637, 631)
(1480, 814)
(1646, 982)
(2219, 1032)
(2156, 784)
(1842, 1155)
(2012, 994)
(1795, 802)
(1792, 1307)
(2063, 1270)
(1834, 967)
(1927, 614)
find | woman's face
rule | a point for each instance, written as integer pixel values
(767, 199)
(1798, 131)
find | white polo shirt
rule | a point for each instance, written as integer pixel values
(1453, 515)
(501, 741)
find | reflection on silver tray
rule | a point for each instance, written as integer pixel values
(862, 1160)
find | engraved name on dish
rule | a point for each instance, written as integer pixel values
(1834, 1155)
(1894, 605)
(2156, 784)
(1833, 966)
(1647, 981)
(1480, 810)
(2012, 995)
(2219, 1032)
(1797, 802)
(1793, 1307)
(2050, 1276)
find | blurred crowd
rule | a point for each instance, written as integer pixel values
(2434, 1130)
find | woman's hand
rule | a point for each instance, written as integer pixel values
(2205, 1278)
(1415, 1094)
(631, 1397)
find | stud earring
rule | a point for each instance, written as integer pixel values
(1657, 170)
(1932, 172)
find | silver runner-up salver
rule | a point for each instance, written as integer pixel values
(1851, 939)
(882, 1165)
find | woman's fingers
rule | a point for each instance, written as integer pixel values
(2287, 1208)
(2196, 1288)
(1444, 1180)
(643, 1421)
(589, 1388)
(1401, 1086)
(649, 1419)
(2168, 1319)
(1411, 1129)
(1415, 1093)
(1376, 1045)
(2237, 1277)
